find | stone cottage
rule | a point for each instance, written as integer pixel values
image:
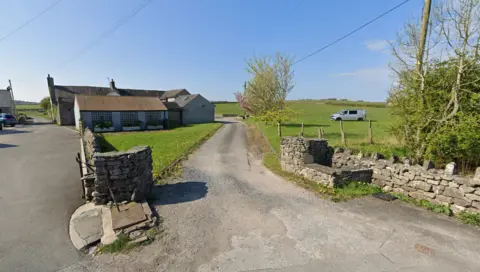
(63, 100)
(119, 113)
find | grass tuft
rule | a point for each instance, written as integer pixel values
(469, 218)
(437, 208)
(118, 245)
(357, 189)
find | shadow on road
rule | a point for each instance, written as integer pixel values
(7, 145)
(179, 192)
(12, 131)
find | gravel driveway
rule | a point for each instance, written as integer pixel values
(228, 213)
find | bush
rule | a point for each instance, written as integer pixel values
(104, 124)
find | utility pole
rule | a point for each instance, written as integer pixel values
(14, 107)
(423, 35)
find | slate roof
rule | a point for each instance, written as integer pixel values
(172, 106)
(183, 100)
(172, 93)
(94, 90)
(119, 103)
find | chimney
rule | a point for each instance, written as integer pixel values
(112, 84)
(50, 82)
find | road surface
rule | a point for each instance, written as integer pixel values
(39, 190)
(228, 213)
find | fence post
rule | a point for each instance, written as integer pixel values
(319, 133)
(279, 130)
(301, 132)
(344, 142)
(370, 134)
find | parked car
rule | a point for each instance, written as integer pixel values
(357, 115)
(8, 119)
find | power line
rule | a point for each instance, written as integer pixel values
(110, 31)
(352, 32)
(31, 20)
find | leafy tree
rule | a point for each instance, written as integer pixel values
(280, 116)
(271, 82)
(438, 106)
(45, 104)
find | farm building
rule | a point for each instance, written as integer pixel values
(63, 100)
(195, 109)
(6, 102)
(120, 113)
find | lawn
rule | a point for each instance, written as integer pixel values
(316, 113)
(228, 108)
(167, 145)
(28, 107)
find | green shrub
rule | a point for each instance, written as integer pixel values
(104, 124)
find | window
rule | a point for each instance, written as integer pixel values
(129, 118)
(345, 112)
(101, 117)
(154, 115)
(154, 118)
(353, 112)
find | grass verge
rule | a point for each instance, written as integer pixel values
(169, 147)
(443, 209)
(350, 191)
(469, 218)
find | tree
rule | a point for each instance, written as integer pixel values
(434, 103)
(271, 82)
(45, 104)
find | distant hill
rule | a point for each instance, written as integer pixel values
(21, 102)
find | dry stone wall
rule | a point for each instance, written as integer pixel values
(127, 175)
(91, 144)
(312, 158)
(438, 186)
(295, 152)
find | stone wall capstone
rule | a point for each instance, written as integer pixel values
(438, 186)
(127, 175)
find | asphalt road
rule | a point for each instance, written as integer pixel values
(39, 190)
(228, 213)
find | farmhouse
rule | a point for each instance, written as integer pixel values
(6, 101)
(63, 101)
(119, 113)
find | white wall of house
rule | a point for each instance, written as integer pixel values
(199, 110)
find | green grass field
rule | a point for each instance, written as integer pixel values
(228, 108)
(167, 145)
(316, 113)
(28, 107)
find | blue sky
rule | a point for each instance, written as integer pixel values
(200, 45)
